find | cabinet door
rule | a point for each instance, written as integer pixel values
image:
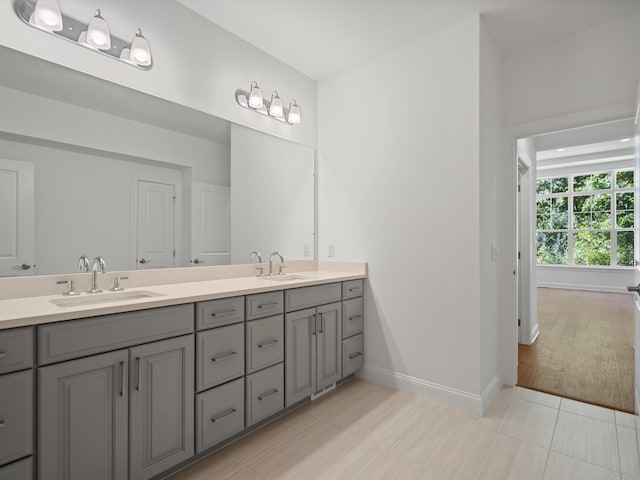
(329, 345)
(162, 398)
(300, 342)
(82, 418)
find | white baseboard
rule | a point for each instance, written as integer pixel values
(470, 402)
(575, 286)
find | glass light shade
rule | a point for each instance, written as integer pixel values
(47, 15)
(294, 116)
(140, 53)
(98, 35)
(255, 96)
(275, 108)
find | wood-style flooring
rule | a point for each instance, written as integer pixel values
(363, 431)
(585, 348)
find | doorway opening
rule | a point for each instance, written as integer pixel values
(576, 222)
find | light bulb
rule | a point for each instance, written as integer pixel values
(255, 96)
(275, 107)
(140, 52)
(98, 33)
(294, 117)
(47, 15)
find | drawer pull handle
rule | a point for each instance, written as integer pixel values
(354, 355)
(1, 423)
(223, 415)
(122, 379)
(268, 344)
(3, 354)
(265, 305)
(228, 312)
(355, 317)
(225, 357)
(264, 396)
(355, 289)
(139, 381)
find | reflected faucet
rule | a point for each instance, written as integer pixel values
(83, 263)
(255, 254)
(281, 270)
(98, 264)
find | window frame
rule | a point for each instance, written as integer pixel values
(612, 191)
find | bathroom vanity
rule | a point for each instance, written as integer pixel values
(140, 386)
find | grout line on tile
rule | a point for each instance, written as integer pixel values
(555, 426)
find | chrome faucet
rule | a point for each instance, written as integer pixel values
(281, 270)
(83, 263)
(259, 257)
(98, 264)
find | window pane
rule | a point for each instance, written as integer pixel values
(591, 248)
(624, 201)
(543, 222)
(601, 202)
(624, 219)
(601, 219)
(581, 204)
(581, 182)
(551, 248)
(559, 185)
(581, 220)
(559, 205)
(559, 221)
(601, 181)
(543, 186)
(543, 206)
(624, 179)
(625, 249)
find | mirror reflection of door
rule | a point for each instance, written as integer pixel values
(156, 225)
(210, 222)
(16, 218)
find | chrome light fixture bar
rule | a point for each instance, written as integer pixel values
(46, 15)
(274, 108)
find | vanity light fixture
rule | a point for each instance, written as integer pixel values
(46, 15)
(254, 101)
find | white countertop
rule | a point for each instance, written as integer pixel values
(18, 312)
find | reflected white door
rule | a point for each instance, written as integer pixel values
(156, 220)
(636, 253)
(210, 223)
(16, 218)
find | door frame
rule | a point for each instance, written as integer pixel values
(174, 178)
(509, 181)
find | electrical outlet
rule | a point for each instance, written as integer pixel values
(307, 250)
(332, 249)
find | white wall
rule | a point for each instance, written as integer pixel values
(592, 69)
(272, 196)
(399, 188)
(196, 63)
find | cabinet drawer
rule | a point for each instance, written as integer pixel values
(264, 393)
(352, 353)
(351, 317)
(16, 416)
(264, 305)
(352, 289)
(220, 414)
(217, 313)
(220, 355)
(21, 470)
(16, 349)
(265, 342)
(79, 338)
(305, 297)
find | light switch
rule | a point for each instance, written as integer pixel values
(307, 250)
(332, 249)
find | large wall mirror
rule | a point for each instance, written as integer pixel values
(91, 168)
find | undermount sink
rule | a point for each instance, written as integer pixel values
(284, 278)
(100, 298)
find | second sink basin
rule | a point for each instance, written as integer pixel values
(99, 298)
(284, 278)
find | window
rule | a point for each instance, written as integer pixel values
(585, 219)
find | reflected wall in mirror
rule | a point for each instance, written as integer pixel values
(142, 194)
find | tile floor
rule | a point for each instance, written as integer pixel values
(365, 431)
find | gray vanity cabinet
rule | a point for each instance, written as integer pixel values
(328, 345)
(83, 417)
(300, 354)
(161, 415)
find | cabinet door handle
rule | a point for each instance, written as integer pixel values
(270, 393)
(228, 312)
(139, 381)
(354, 317)
(122, 379)
(223, 415)
(354, 355)
(144, 260)
(264, 305)
(224, 357)
(314, 324)
(268, 344)
(2, 354)
(321, 323)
